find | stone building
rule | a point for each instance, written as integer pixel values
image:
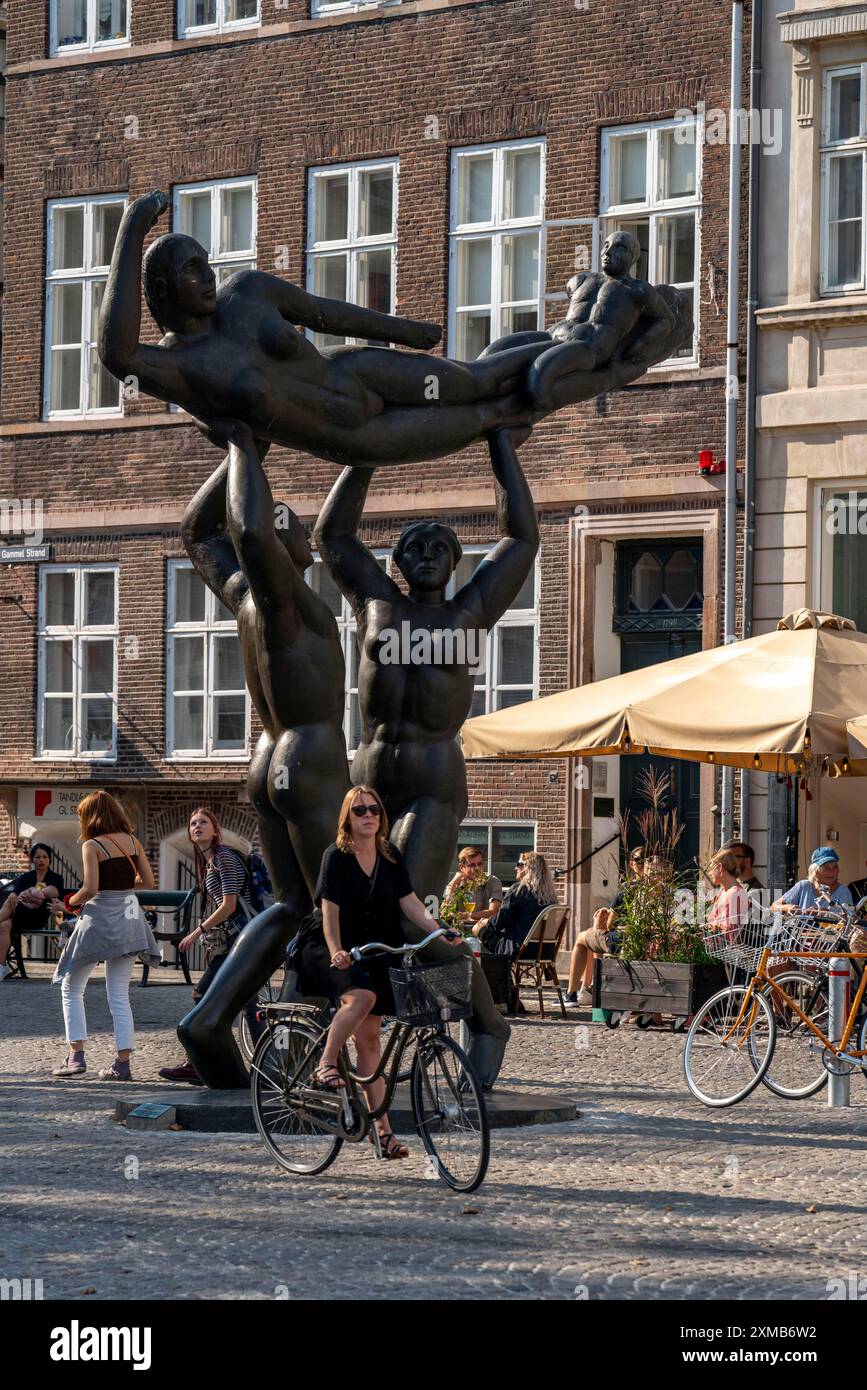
(811, 454)
(455, 163)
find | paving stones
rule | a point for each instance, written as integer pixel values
(648, 1195)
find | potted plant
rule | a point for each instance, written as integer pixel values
(660, 965)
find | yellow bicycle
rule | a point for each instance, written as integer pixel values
(773, 1028)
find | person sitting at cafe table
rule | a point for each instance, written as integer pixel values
(596, 940)
(534, 890)
(487, 890)
(28, 906)
(745, 856)
(821, 887)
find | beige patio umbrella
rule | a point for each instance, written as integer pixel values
(857, 731)
(778, 702)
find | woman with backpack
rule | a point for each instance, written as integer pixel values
(111, 928)
(223, 877)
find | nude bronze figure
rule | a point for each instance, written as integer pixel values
(412, 703)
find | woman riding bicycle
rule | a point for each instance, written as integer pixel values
(363, 887)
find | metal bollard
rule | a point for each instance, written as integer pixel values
(838, 1012)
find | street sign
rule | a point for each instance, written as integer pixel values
(24, 554)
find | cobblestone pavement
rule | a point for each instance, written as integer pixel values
(648, 1195)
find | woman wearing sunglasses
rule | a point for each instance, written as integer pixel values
(363, 888)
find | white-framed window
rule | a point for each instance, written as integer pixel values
(502, 842)
(650, 185)
(221, 216)
(352, 236)
(844, 185)
(216, 16)
(840, 575)
(81, 234)
(496, 273)
(318, 7)
(77, 683)
(83, 25)
(511, 665)
(207, 705)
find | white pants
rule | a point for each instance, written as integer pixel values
(118, 974)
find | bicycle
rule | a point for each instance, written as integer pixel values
(268, 994)
(733, 1040)
(304, 1127)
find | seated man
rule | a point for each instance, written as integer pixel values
(596, 941)
(28, 906)
(486, 889)
(745, 856)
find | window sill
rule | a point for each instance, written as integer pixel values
(206, 758)
(833, 309)
(90, 759)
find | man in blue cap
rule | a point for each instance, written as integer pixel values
(821, 887)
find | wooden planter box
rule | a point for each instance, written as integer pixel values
(654, 987)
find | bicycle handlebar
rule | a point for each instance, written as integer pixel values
(408, 949)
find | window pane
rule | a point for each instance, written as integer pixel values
(98, 598)
(519, 320)
(104, 389)
(478, 706)
(675, 261)
(522, 183)
(189, 597)
(106, 220)
(845, 106)
(229, 721)
(322, 584)
(222, 614)
(515, 657)
(850, 565)
(195, 211)
(97, 661)
(97, 721)
(189, 723)
(112, 20)
(241, 9)
(331, 196)
(676, 166)
(225, 272)
(329, 277)
(474, 334)
(71, 22)
(375, 194)
(59, 599)
(505, 699)
(66, 380)
(474, 272)
(66, 316)
(520, 267)
(228, 670)
(509, 842)
(354, 736)
(57, 723)
(200, 12)
(68, 224)
(58, 668)
(189, 663)
(681, 579)
(629, 169)
(373, 288)
(236, 219)
(846, 226)
(475, 188)
(464, 570)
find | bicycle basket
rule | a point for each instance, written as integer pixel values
(435, 993)
(743, 945)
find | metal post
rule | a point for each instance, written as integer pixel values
(838, 1012)
(732, 386)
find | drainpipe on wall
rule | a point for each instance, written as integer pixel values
(734, 265)
(752, 365)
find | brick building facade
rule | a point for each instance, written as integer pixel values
(574, 112)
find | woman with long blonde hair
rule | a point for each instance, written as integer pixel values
(533, 891)
(112, 929)
(362, 890)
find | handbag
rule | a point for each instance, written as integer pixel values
(313, 922)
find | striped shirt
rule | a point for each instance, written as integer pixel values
(226, 874)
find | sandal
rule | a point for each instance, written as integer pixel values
(389, 1146)
(327, 1079)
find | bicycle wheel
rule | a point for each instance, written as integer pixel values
(797, 1070)
(720, 1067)
(284, 1060)
(449, 1111)
(268, 994)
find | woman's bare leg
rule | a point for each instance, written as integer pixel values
(355, 1005)
(577, 967)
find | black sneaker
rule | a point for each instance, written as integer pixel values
(571, 1000)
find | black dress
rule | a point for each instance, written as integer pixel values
(369, 911)
(34, 918)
